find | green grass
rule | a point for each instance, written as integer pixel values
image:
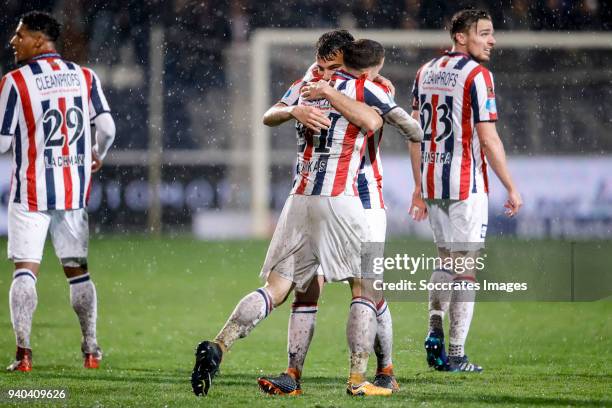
(158, 298)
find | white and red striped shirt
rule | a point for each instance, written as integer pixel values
(369, 179)
(328, 163)
(47, 106)
(452, 94)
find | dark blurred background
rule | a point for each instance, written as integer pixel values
(554, 101)
(113, 32)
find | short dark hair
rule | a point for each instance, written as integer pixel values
(43, 22)
(363, 54)
(463, 20)
(333, 42)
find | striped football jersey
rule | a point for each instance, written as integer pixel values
(329, 162)
(370, 177)
(452, 94)
(47, 106)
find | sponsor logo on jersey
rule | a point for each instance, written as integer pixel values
(313, 166)
(491, 106)
(65, 161)
(437, 157)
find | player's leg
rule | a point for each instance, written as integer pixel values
(302, 320)
(469, 223)
(441, 278)
(383, 342)
(289, 263)
(338, 240)
(27, 231)
(70, 236)
(383, 347)
(251, 310)
(302, 325)
(461, 311)
(360, 332)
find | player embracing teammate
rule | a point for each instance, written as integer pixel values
(46, 107)
(332, 49)
(322, 223)
(454, 97)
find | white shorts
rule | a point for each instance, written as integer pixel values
(317, 230)
(377, 223)
(27, 232)
(459, 225)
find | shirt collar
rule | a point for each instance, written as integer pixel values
(455, 53)
(44, 55)
(345, 74)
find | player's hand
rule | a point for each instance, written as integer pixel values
(513, 204)
(315, 90)
(313, 118)
(418, 209)
(96, 162)
(385, 82)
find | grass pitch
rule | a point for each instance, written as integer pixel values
(159, 298)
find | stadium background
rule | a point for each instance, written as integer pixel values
(189, 136)
(554, 103)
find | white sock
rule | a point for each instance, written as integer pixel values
(300, 331)
(460, 315)
(439, 300)
(360, 332)
(85, 304)
(23, 300)
(252, 309)
(383, 344)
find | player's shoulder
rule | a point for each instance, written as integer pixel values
(426, 65)
(87, 70)
(14, 78)
(375, 87)
(11, 74)
(383, 87)
(473, 67)
(71, 65)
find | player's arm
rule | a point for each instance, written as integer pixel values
(100, 117)
(9, 112)
(406, 124)
(105, 135)
(355, 112)
(494, 151)
(490, 143)
(386, 83)
(418, 209)
(411, 129)
(309, 116)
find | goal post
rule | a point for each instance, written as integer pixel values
(266, 44)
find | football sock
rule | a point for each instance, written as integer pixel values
(252, 309)
(383, 344)
(455, 350)
(23, 300)
(439, 300)
(84, 302)
(360, 332)
(460, 315)
(436, 319)
(301, 328)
